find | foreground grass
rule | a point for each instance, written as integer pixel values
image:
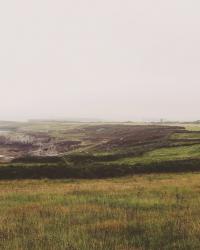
(140, 212)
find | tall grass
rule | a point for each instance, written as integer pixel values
(140, 212)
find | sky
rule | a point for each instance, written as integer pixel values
(108, 59)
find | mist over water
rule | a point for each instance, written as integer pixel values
(104, 60)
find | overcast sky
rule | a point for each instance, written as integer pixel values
(108, 59)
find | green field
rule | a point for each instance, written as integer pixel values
(123, 186)
(165, 154)
(139, 212)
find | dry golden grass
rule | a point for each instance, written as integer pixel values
(139, 212)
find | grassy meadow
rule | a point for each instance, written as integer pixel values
(157, 211)
(122, 187)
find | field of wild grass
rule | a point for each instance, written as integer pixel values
(143, 211)
(157, 211)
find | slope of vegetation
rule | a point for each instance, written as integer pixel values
(102, 150)
(153, 207)
(165, 154)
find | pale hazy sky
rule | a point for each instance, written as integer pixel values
(111, 59)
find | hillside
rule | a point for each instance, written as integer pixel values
(82, 150)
